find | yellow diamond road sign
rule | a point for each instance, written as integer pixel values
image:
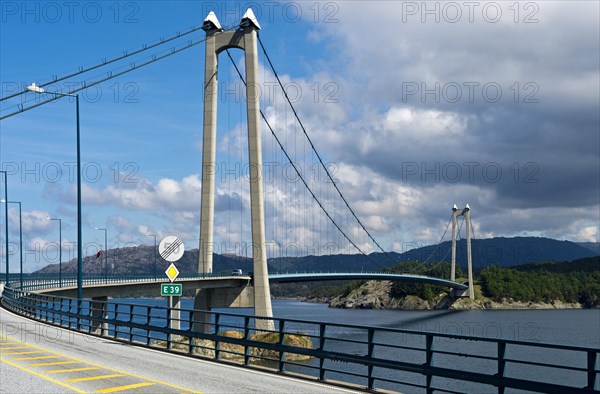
(172, 272)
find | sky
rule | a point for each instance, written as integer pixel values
(412, 106)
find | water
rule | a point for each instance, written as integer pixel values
(576, 327)
(567, 327)
(579, 327)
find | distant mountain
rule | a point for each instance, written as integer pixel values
(502, 251)
(139, 260)
(336, 262)
(593, 246)
(505, 252)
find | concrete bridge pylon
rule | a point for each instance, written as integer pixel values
(217, 41)
(466, 212)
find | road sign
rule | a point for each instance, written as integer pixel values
(172, 272)
(171, 248)
(171, 289)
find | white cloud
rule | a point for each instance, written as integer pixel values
(144, 195)
(588, 234)
(423, 124)
(33, 222)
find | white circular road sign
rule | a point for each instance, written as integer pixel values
(171, 248)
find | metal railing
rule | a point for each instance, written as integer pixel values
(371, 357)
(48, 281)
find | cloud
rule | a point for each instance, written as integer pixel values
(588, 234)
(143, 194)
(526, 157)
(412, 115)
(33, 222)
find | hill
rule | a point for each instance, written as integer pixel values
(544, 285)
(505, 252)
(139, 260)
(593, 246)
(589, 264)
(576, 281)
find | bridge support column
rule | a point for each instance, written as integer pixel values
(455, 214)
(467, 214)
(209, 154)
(262, 291)
(174, 303)
(222, 297)
(202, 320)
(469, 259)
(99, 310)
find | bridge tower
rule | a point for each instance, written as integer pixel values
(467, 214)
(218, 40)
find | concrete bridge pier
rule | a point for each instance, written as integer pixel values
(202, 320)
(221, 297)
(99, 310)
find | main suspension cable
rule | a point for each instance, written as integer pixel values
(110, 75)
(105, 62)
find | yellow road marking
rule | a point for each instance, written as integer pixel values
(72, 370)
(55, 363)
(15, 353)
(97, 377)
(76, 360)
(41, 376)
(13, 347)
(124, 388)
(32, 358)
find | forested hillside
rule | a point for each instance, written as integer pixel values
(577, 281)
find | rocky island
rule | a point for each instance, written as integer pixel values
(376, 295)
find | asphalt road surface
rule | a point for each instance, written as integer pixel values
(38, 358)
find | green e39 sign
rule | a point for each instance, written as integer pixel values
(171, 289)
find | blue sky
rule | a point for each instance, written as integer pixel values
(415, 109)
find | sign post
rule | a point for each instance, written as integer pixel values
(171, 249)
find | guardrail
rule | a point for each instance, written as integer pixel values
(39, 282)
(45, 281)
(373, 357)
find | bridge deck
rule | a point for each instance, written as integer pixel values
(123, 286)
(320, 276)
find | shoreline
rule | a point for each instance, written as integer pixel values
(460, 304)
(413, 303)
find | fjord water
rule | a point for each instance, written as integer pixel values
(577, 327)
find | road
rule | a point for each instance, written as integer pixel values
(38, 358)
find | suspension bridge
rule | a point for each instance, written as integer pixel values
(338, 217)
(321, 209)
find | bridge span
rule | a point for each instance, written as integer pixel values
(321, 276)
(139, 286)
(145, 284)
